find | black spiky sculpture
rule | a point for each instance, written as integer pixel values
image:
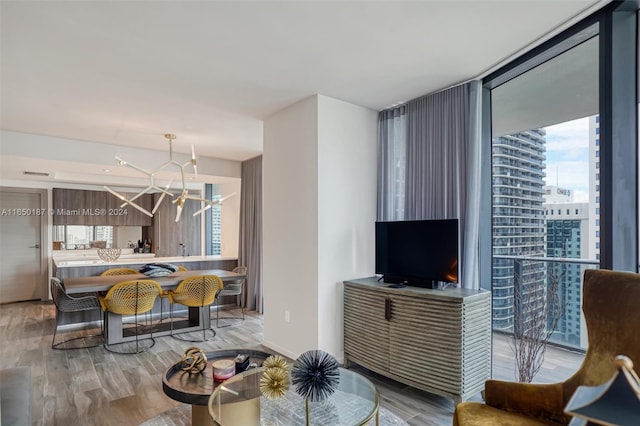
(315, 375)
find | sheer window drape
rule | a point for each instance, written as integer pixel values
(392, 148)
(250, 245)
(432, 145)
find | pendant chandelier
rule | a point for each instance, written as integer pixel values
(153, 187)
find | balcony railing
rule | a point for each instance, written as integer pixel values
(570, 330)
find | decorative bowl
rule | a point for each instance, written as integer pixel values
(109, 254)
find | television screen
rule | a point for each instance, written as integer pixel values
(417, 252)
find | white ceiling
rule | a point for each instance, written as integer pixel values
(125, 72)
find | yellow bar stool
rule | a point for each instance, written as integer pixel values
(119, 271)
(133, 297)
(196, 292)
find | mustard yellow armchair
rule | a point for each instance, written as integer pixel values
(611, 306)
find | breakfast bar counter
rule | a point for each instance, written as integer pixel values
(87, 268)
(113, 325)
(77, 285)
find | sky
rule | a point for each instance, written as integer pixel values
(568, 157)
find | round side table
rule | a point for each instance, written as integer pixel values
(195, 389)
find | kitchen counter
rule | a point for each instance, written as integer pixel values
(93, 267)
(60, 256)
(138, 258)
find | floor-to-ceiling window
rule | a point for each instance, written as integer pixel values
(564, 196)
(545, 191)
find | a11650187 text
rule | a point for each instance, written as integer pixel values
(63, 212)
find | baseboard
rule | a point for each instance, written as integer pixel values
(280, 350)
(291, 355)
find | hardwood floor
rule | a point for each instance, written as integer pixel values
(420, 408)
(95, 387)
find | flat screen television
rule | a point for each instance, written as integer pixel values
(417, 253)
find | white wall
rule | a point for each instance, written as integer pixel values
(290, 228)
(347, 170)
(230, 218)
(319, 189)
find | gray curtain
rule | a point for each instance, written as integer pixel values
(440, 139)
(250, 246)
(392, 158)
(471, 217)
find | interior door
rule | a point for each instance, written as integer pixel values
(20, 246)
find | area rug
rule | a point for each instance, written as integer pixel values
(181, 416)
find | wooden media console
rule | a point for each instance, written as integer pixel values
(435, 340)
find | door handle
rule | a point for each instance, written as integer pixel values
(387, 309)
(36, 246)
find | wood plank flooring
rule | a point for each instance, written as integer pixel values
(95, 387)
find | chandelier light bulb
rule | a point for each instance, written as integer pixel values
(120, 160)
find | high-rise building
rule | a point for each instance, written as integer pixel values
(216, 229)
(105, 233)
(518, 162)
(568, 237)
(594, 186)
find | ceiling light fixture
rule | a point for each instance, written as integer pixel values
(151, 174)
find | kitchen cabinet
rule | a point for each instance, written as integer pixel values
(132, 216)
(83, 207)
(169, 234)
(69, 207)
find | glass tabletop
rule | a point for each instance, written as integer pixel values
(238, 402)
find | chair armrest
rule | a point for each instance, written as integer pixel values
(541, 401)
(83, 297)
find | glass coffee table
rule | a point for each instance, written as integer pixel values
(238, 402)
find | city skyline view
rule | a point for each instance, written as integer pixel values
(567, 162)
(534, 216)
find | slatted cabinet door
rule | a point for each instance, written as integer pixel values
(438, 341)
(366, 331)
(441, 346)
(433, 328)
